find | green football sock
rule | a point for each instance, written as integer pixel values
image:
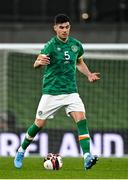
(31, 133)
(83, 136)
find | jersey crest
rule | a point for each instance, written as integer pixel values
(74, 48)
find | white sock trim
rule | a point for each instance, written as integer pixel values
(29, 137)
(21, 149)
(86, 154)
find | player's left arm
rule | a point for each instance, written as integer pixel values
(83, 68)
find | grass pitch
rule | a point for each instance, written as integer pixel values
(106, 168)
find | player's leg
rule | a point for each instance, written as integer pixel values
(76, 110)
(46, 110)
(84, 138)
(31, 133)
(83, 133)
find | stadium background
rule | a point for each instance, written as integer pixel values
(106, 101)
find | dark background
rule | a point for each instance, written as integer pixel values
(30, 21)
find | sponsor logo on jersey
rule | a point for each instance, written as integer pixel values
(66, 62)
(74, 48)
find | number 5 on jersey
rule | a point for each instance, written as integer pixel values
(66, 55)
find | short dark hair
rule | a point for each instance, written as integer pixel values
(61, 18)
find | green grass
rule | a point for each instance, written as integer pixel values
(106, 168)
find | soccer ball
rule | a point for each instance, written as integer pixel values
(53, 162)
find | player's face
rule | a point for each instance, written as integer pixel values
(62, 30)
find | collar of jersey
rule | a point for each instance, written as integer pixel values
(60, 41)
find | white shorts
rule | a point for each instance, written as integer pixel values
(50, 104)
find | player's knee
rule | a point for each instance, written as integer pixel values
(81, 117)
(78, 116)
(40, 123)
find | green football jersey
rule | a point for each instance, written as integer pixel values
(60, 75)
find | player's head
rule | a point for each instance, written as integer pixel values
(61, 18)
(62, 26)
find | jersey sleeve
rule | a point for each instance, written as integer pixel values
(81, 51)
(47, 48)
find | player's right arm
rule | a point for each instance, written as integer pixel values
(42, 60)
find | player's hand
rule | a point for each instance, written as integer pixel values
(92, 77)
(42, 60)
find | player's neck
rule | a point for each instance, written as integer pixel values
(62, 40)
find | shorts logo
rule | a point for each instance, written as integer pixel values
(40, 113)
(74, 48)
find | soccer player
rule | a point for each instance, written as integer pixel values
(61, 56)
